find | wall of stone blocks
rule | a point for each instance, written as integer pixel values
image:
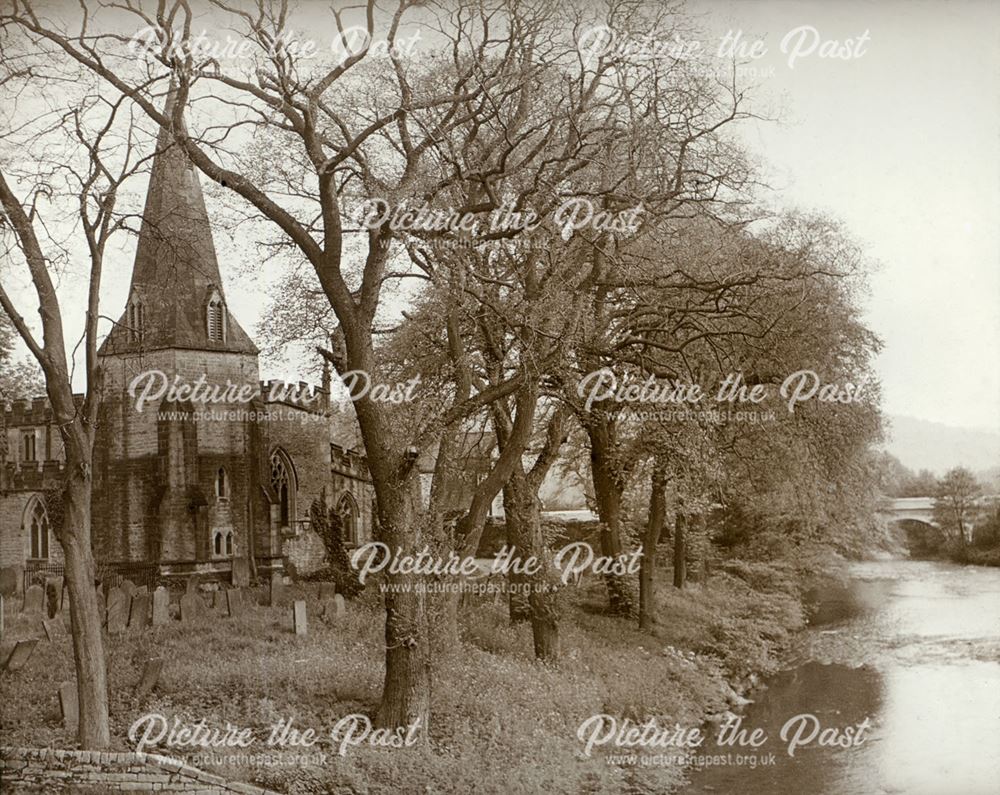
(50, 770)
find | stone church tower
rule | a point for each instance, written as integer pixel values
(176, 484)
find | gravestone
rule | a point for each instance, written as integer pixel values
(150, 676)
(192, 585)
(138, 617)
(118, 611)
(9, 578)
(54, 628)
(53, 595)
(336, 607)
(140, 589)
(127, 587)
(299, 617)
(69, 706)
(241, 572)
(19, 655)
(234, 602)
(102, 608)
(276, 595)
(219, 601)
(161, 606)
(327, 590)
(191, 606)
(34, 599)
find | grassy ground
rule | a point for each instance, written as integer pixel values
(501, 722)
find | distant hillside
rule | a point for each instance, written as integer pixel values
(921, 444)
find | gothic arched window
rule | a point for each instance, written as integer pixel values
(283, 484)
(221, 484)
(37, 525)
(216, 318)
(347, 510)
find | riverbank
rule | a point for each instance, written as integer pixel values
(501, 721)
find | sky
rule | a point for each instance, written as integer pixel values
(903, 145)
(900, 141)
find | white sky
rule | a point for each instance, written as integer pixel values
(903, 145)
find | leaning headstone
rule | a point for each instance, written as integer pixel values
(327, 590)
(53, 595)
(68, 705)
(234, 602)
(54, 628)
(299, 617)
(191, 606)
(277, 593)
(241, 572)
(150, 676)
(34, 599)
(118, 611)
(161, 606)
(9, 576)
(19, 655)
(128, 587)
(138, 617)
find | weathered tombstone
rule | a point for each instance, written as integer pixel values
(327, 590)
(34, 599)
(190, 606)
(138, 617)
(234, 602)
(241, 572)
(54, 628)
(219, 601)
(161, 606)
(336, 608)
(150, 676)
(19, 655)
(128, 587)
(53, 595)
(118, 611)
(9, 576)
(192, 585)
(68, 705)
(299, 617)
(277, 593)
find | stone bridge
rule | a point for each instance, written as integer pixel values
(920, 509)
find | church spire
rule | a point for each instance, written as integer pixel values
(176, 299)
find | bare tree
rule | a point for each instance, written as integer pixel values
(69, 184)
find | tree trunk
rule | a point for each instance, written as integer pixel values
(608, 490)
(524, 528)
(406, 689)
(654, 526)
(680, 553)
(88, 646)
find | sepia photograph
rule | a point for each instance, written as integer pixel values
(500, 396)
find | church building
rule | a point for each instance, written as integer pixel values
(197, 462)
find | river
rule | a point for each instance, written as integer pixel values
(911, 646)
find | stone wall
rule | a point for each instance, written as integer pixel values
(36, 770)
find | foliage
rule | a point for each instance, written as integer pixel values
(326, 523)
